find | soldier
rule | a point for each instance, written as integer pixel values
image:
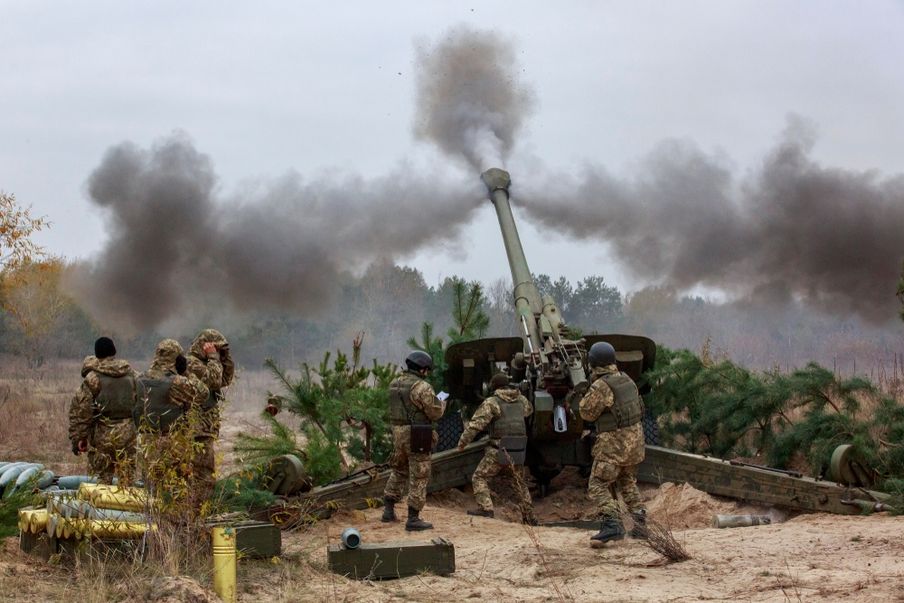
(413, 406)
(172, 400)
(504, 413)
(177, 387)
(615, 406)
(100, 416)
(210, 361)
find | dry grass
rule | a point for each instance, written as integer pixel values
(659, 538)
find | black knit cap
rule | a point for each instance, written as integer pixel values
(104, 348)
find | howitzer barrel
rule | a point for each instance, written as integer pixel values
(527, 298)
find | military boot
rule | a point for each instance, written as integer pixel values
(481, 512)
(610, 529)
(639, 531)
(415, 523)
(529, 520)
(389, 510)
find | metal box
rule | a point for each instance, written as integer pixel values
(392, 559)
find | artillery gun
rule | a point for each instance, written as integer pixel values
(547, 366)
(551, 369)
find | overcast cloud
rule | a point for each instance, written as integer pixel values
(271, 88)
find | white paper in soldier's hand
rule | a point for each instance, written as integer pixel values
(443, 396)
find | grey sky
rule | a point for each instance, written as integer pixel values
(264, 88)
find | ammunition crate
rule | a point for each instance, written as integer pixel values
(254, 539)
(392, 559)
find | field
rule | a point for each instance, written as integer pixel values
(802, 558)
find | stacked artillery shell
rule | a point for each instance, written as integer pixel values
(113, 497)
(13, 475)
(33, 520)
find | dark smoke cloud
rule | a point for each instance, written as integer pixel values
(176, 248)
(470, 102)
(793, 230)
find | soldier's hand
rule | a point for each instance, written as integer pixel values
(75, 449)
(461, 446)
(209, 348)
(82, 446)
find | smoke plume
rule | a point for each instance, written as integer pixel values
(793, 230)
(470, 102)
(175, 246)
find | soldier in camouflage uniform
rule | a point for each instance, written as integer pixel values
(412, 404)
(100, 416)
(185, 392)
(614, 405)
(210, 361)
(167, 445)
(503, 413)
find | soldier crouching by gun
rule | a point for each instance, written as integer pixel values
(504, 413)
(615, 406)
(413, 407)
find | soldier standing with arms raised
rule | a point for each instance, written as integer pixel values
(100, 416)
(615, 406)
(210, 361)
(413, 407)
(504, 413)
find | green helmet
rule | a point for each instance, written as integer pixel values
(601, 354)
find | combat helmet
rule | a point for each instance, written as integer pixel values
(601, 354)
(418, 360)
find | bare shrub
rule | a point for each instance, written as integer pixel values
(659, 538)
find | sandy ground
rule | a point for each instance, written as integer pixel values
(802, 558)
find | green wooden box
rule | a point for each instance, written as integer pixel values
(392, 559)
(255, 539)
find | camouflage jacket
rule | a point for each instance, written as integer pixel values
(187, 391)
(489, 411)
(599, 397)
(82, 412)
(424, 398)
(217, 370)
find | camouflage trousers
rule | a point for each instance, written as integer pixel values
(411, 469)
(203, 469)
(616, 455)
(111, 451)
(489, 468)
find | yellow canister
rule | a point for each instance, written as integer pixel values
(224, 563)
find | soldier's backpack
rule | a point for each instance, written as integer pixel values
(154, 411)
